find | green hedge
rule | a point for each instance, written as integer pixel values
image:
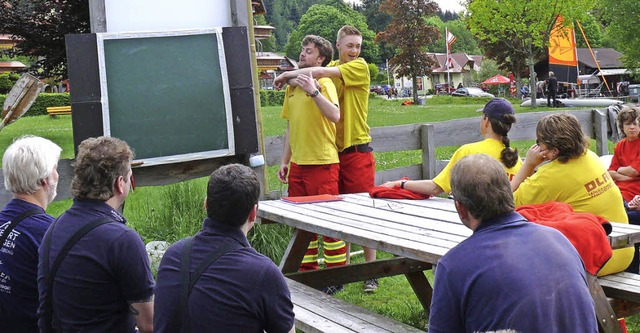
(271, 97)
(44, 101)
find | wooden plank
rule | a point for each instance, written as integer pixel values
(411, 171)
(295, 251)
(607, 320)
(396, 138)
(421, 288)
(347, 317)
(623, 285)
(359, 272)
(359, 235)
(384, 224)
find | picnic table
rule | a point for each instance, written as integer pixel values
(418, 232)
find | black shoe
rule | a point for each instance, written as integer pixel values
(330, 290)
(371, 285)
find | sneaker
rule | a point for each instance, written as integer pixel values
(330, 290)
(371, 285)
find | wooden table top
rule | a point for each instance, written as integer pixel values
(418, 229)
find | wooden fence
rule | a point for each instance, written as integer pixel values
(425, 137)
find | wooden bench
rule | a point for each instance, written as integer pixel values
(54, 111)
(318, 312)
(623, 289)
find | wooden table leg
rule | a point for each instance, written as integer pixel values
(607, 321)
(295, 251)
(421, 288)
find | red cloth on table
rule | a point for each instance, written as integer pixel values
(587, 232)
(396, 193)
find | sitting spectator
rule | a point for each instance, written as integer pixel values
(510, 274)
(30, 173)
(625, 166)
(241, 291)
(104, 282)
(573, 175)
(497, 117)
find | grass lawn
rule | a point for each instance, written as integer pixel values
(174, 211)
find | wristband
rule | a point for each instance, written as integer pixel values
(315, 93)
(402, 184)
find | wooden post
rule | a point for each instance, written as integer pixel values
(97, 16)
(427, 139)
(600, 132)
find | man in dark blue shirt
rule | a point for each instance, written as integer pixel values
(104, 283)
(511, 273)
(30, 172)
(242, 291)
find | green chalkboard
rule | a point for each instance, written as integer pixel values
(166, 96)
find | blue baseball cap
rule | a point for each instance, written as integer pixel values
(496, 108)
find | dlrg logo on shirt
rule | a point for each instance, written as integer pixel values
(599, 185)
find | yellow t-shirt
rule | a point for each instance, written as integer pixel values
(490, 147)
(311, 135)
(353, 92)
(586, 185)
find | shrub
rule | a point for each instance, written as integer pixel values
(44, 100)
(271, 97)
(7, 80)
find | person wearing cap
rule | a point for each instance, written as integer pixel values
(573, 175)
(497, 117)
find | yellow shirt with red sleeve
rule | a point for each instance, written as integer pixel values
(311, 135)
(487, 146)
(627, 153)
(586, 185)
(353, 92)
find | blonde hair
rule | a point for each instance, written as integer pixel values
(348, 30)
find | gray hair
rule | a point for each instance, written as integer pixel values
(27, 161)
(481, 185)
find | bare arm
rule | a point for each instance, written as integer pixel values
(143, 315)
(426, 186)
(619, 177)
(628, 171)
(533, 158)
(286, 158)
(286, 77)
(309, 85)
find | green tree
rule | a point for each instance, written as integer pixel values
(465, 42)
(591, 29)
(622, 31)
(515, 32)
(410, 34)
(325, 21)
(42, 24)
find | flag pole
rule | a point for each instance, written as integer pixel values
(446, 34)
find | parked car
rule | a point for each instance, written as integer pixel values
(376, 89)
(471, 92)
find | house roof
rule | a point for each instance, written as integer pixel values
(267, 60)
(607, 58)
(460, 62)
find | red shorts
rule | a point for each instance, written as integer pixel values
(313, 179)
(357, 172)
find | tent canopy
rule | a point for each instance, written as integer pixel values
(498, 79)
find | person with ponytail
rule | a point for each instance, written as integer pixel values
(497, 117)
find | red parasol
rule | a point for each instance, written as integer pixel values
(498, 79)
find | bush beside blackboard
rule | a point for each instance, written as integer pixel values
(44, 101)
(271, 97)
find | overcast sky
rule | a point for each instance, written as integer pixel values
(450, 5)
